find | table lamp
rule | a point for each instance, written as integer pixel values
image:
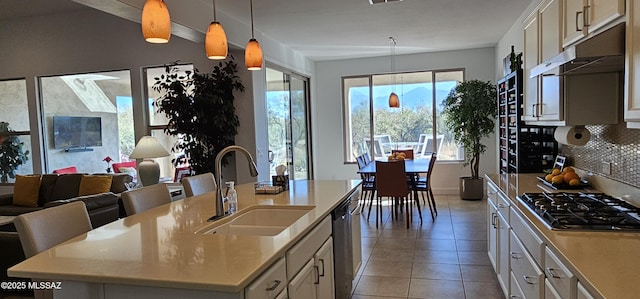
(148, 170)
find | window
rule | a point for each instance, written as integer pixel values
(158, 121)
(372, 126)
(15, 117)
(102, 103)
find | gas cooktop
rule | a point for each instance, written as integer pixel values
(583, 211)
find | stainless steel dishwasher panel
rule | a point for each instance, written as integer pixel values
(342, 249)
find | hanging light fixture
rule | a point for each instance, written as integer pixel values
(253, 52)
(215, 42)
(156, 23)
(394, 101)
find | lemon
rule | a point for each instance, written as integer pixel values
(556, 171)
(569, 176)
(558, 179)
(574, 182)
(548, 177)
(568, 169)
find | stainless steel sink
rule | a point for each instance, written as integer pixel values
(258, 221)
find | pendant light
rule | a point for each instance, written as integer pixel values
(253, 52)
(215, 43)
(156, 23)
(394, 101)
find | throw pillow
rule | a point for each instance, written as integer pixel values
(26, 190)
(95, 184)
(128, 170)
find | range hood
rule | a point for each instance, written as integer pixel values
(602, 53)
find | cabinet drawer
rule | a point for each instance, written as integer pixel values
(516, 291)
(304, 250)
(270, 283)
(492, 193)
(549, 291)
(528, 237)
(583, 293)
(527, 273)
(559, 276)
(503, 207)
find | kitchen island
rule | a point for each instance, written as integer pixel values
(162, 252)
(605, 263)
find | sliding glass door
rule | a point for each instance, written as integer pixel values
(288, 123)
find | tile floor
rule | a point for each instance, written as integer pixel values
(442, 259)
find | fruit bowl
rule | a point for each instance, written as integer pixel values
(563, 179)
(583, 184)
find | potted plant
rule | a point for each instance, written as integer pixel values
(201, 112)
(11, 153)
(469, 113)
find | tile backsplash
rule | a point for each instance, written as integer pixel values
(609, 143)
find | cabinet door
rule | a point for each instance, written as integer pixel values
(303, 285)
(531, 43)
(601, 12)
(270, 283)
(632, 66)
(583, 293)
(574, 25)
(492, 232)
(503, 253)
(550, 45)
(324, 266)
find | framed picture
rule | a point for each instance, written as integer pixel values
(181, 172)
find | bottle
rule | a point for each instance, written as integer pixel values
(513, 60)
(232, 197)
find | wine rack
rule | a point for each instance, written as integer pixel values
(522, 148)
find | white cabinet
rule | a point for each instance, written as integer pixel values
(528, 275)
(582, 17)
(270, 283)
(559, 276)
(583, 293)
(531, 59)
(632, 66)
(498, 235)
(303, 285)
(315, 279)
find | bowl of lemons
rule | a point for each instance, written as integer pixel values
(565, 178)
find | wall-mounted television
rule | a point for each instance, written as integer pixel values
(76, 131)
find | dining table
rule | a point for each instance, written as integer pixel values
(413, 168)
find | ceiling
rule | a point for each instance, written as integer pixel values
(340, 29)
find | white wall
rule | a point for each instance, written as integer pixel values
(327, 119)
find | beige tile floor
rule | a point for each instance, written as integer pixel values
(442, 259)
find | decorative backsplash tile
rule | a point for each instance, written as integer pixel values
(609, 143)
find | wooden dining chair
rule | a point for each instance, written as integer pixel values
(368, 181)
(408, 153)
(391, 181)
(423, 186)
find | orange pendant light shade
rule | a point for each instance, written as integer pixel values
(156, 23)
(253, 55)
(216, 42)
(394, 101)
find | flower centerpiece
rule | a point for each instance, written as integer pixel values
(108, 160)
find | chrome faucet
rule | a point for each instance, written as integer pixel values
(252, 169)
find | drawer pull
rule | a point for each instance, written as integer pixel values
(515, 255)
(514, 297)
(502, 206)
(317, 275)
(275, 285)
(551, 273)
(322, 262)
(529, 279)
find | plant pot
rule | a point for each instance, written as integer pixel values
(471, 189)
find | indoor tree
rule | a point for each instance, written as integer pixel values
(200, 110)
(11, 153)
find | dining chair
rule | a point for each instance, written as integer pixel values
(142, 199)
(46, 228)
(367, 158)
(199, 184)
(423, 185)
(391, 181)
(368, 181)
(408, 153)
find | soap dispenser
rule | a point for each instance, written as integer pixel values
(232, 197)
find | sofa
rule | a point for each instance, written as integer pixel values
(58, 189)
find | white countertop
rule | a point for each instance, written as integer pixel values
(159, 247)
(608, 261)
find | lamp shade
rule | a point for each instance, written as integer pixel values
(253, 55)
(394, 101)
(216, 42)
(148, 147)
(156, 23)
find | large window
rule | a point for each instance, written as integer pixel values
(15, 131)
(372, 126)
(87, 117)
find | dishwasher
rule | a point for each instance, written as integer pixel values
(342, 249)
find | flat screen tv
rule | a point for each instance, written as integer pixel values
(76, 131)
